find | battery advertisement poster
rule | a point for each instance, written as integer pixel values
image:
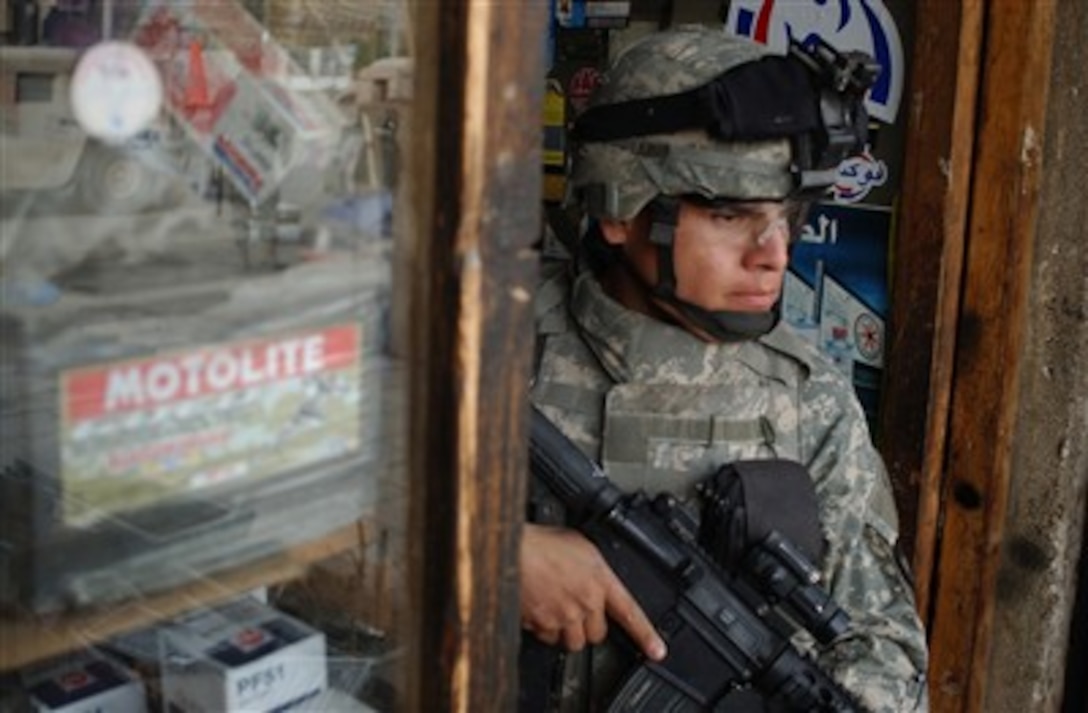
(141, 430)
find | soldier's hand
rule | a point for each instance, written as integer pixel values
(568, 591)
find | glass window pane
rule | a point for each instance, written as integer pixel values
(201, 393)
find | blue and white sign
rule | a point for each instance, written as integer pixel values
(857, 176)
(836, 291)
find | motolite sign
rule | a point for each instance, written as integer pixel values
(150, 427)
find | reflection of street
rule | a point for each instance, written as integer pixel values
(54, 248)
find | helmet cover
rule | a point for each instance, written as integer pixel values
(695, 111)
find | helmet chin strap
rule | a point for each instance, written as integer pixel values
(721, 325)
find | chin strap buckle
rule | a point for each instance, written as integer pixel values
(664, 217)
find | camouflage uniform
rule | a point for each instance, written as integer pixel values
(660, 409)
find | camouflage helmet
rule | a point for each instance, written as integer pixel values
(615, 177)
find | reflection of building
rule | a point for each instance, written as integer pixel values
(382, 92)
(46, 151)
(316, 23)
(37, 119)
(387, 80)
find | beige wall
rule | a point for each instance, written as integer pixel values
(1042, 543)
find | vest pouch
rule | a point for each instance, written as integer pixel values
(669, 437)
(744, 501)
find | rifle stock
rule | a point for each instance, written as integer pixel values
(723, 632)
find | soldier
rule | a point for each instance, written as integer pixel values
(661, 354)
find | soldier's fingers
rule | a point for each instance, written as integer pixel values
(626, 612)
(574, 637)
(550, 637)
(596, 627)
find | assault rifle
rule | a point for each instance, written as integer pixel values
(726, 630)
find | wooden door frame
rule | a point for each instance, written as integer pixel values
(927, 268)
(960, 291)
(477, 187)
(978, 87)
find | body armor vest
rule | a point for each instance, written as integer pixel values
(657, 432)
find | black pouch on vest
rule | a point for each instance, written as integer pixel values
(742, 503)
(747, 500)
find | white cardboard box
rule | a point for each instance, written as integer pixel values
(228, 83)
(84, 681)
(334, 700)
(241, 656)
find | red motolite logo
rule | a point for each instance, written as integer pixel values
(249, 639)
(72, 681)
(139, 384)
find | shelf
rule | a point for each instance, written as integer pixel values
(26, 640)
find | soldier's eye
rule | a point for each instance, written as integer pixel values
(725, 215)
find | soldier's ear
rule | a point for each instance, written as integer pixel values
(616, 232)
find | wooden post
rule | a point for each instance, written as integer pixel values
(1001, 232)
(928, 268)
(478, 182)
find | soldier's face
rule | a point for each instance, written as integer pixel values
(727, 256)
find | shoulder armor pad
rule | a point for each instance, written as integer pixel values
(550, 301)
(784, 340)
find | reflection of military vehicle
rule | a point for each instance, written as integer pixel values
(48, 157)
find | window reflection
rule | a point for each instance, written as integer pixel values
(200, 381)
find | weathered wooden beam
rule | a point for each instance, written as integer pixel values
(928, 268)
(1043, 536)
(1001, 233)
(480, 90)
(1036, 641)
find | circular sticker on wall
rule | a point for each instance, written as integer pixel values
(868, 336)
(116, 91)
